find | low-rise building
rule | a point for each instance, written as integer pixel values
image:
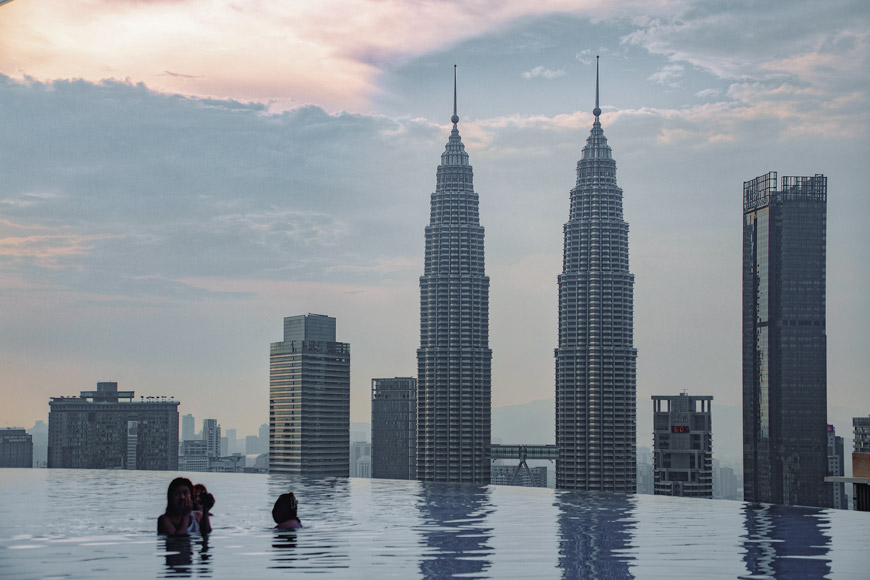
(16, 448)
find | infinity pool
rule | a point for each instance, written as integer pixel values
(101, 524)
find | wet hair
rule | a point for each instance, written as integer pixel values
(175, 484)
(285, 508)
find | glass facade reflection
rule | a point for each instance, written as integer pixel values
(394, 428)
(455, 532)
(777, 545)
(784, 340)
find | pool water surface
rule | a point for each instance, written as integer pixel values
(102, 524)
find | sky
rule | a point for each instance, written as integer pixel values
(176, 176)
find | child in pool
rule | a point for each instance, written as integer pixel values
(284, 512)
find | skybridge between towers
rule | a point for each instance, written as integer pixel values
(522, 453)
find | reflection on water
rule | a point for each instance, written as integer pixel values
(82, 524)
(186, 556)
(779, 545)
(284, 553)
(454, 530)
(327, 516)
(595, 532)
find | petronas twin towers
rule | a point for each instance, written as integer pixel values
(595, 358)
(454, 379)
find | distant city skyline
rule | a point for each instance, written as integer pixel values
(162, 206)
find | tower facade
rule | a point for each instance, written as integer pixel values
(188, 426)
(211, 434)
(108, 429)
(683, 445)
(394, 428)
(454, 359)
(596, 410)
(784, 341)
(309, 399)
(837, 467)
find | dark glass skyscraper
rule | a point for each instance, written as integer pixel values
(454, 358)
(784, 341)
(596, 409)
(394, 428)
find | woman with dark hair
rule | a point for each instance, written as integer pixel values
(180, 517)
(284, 512)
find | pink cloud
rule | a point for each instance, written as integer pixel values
(326, 52)
(47, 251)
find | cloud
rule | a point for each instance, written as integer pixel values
(716, 37)
(46, 251)
(328, 53)
(181, 75)
(668, 75)
(540, 72)
(585, 57)
(708, 93)
(128, 190)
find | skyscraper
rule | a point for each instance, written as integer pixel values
(596, 411)
(837, 467)
(454, 387)
(394, 428)
(188, 425)
(309, 399)
(211, 434)
(861, 437)
(784, 341)
(683, 442)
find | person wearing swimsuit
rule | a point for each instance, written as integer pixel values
(179, 517)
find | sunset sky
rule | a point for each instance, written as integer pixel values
(176, 176)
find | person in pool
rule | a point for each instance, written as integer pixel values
(179, 517)
(202, 499)
(284, 512)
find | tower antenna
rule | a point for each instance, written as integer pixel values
(596, 111)
(455, 117)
